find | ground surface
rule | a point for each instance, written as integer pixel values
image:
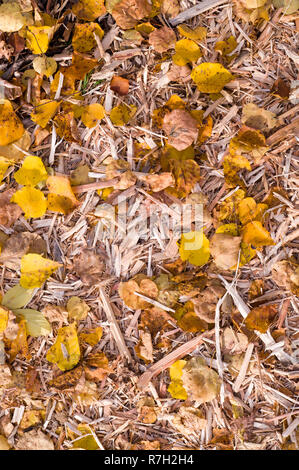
(119, 407)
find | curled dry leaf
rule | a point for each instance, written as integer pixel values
(189, 420)
(89, 266)
(127, 13)
(233, 342)
(286, 274)
(158, 182)
(261, 318)
(162, 39)
(180, 128)
(258, 118)
(34, 440)
(225, 250)
(18, 245)
(120, 85)
(200, 381)
(9, 212)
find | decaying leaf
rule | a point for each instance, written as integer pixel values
(200, 381)
(65, 352)
(189, 420)
(188, 320)
(225, 250)
(286, 274)
(250, 141)
(261, 318)
(232, 164)
(11, 128)
(67, 127)
(197, 34)
(258, 118)
(89, 10)
(9, 212)
(170, 8)
(140, 284)
(205, 302)
(19, 244)
(211, 77)
(83, 37)
(32, 172)
(281, 89)
(61, 197)
(96, 367)
(35, 270)
(194, 247)
(144, 348)
(226, 48)
(89, 266)
(180, 128)
(127, 12)
(122, 114)
(92, 336)
(34, 440)
(120, 85)
(19, 344)
(147, 410)
(67, 380)
(77, 308)
(176, 388)
(158, 182)
(162, 39)
(233, 342)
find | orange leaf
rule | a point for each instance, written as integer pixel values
(261, 318)
(61, 197)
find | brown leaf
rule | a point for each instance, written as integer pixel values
(127, 12)
(144, 348)
(34, 440)
(286, 274)
(96, 367)
(258, 118)
(189, 420)
(9, 212)
(158, 182)
(200, 381)
(120, 85)
(205, 302)
(162, 39)
(261, 318)
(225, 250)
(140, 284)
(178, 73)
(89, 266)
(281, 88)
(180, 128)
(20, 244)
(68, 380)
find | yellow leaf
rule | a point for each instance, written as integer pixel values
(66, 127)
(92, 337)
(261, 318)
(45, 66)
(61, 197)
(36, 323)
(255, 234)
(17, 297)
(38, 38)
(249, 210)
(194, 247)
(258, 118)
(77, 308)
(92, 113)
(87, 440)
(4, 165)
(44, 111)
(211, 77)
(226, 48)
(32, 172)
(176, 388)
(89, 10)
(65, 352)
(83, 38)
(232, 164)
(200, 381)
(186, 51)
(35, 270)
(16, 150)
(32, 201)
(145, 28)
(197, 34)
(19, 345)
(122, 114)
(11, 17)
(229, 229)
(3, 319)
(11, 128)
(249, 140)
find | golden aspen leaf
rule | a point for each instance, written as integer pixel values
(195, 248)
(77, 308)
(226, 48)
(145, 28)
(11, 17)
(140, 284)
(38, 38)
(162, 39)
(44, 111)
(197, 34)
(232, 164)
(258, 118)
(255, 234)
(200, 381)
(4, 165)
(187, 51)
(249, 210)
(65, 352)
(92, 337)
(32, 201)
(89, 10)
(229, 229)
(45, 66)
(227, 209)
(186, 174)
(87, 441)
(35, 270)
(32, 172)
(249, 140)
(127, 13)
(81, 65)
(261, 318)
(66, 127)
(211, 77)
(96, 367)
(17, 297)
(92, 113)
(225, 250)
(36, 323)
(247, 253)
(19, 345)
(180, 128)
(61, 197)
(176, 388)
(83, 38)
(4, 312)
(16, 150)
(188, 320)
(11, 128)
(80, 175)
(122, 114)
(120, 85)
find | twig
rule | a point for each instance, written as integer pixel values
(196, 10)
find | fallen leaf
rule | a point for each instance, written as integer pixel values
(147, 411)
(289, 6)
(188, 320)
(89, 10)
(255, 234)
(162, 39)
(194, 247)
(96, 367)
(197, 34)
(35, 270)
(256, 288)
(189, 420)
(233, 342)
(158, 182)
(200, 381)
(249, 140)
(281, 88)
(44, 112)
(211, 77)
(186, 51)
(45, 66)
(89, 266)
(180, 128)
(87, 441)
(286, 274)
(34, 440)
(19, 344)
(225, 250)
(249, 210)
(32, 172)
(176, 388)
(11, 128)
(4, 443)
(66, 127)
(68, 380)
(32, 201)
(261, 318)
(92, 113)
(170, 8)
(4, 165)
(38, 38)
(36, 323)
(61, 197)
(19, 244)
(144, 347)
(80, 175)
(140, 284)
(9, 212)
(120, 85)
(15, 151)
(3, 319)
(226, 48)
(232, 164)
(17, 297)
(122, 114)
(11, 17)
(92, 336)
(258, 118)
(178, 73)
(31, 418)
(77, 308)
(127, 13)
(65, 352)
(83, 37)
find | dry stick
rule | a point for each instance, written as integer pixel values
(283, 313)
(266, 34)
(83, 188)
(287, 131)
(196, 10)
(166, 361)
(115, 330)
